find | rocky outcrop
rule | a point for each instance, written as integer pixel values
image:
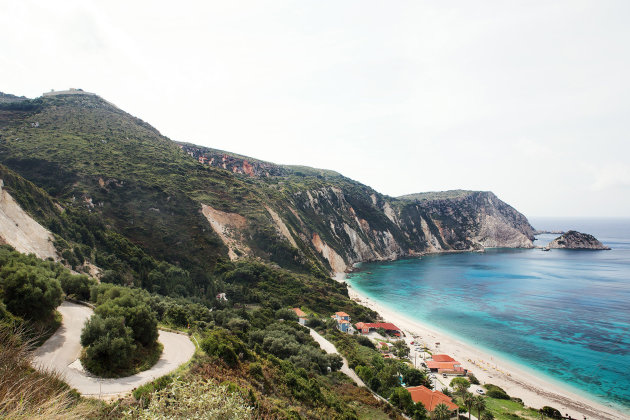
(576, 240)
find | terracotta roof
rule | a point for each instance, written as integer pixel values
(450, 366)
(442, 358)
(341, 314)
(300, 313)
(430, 399)
(385, 325)
(343, 321)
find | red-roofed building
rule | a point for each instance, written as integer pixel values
(366, 327)
(301, 315)
(431, 399)
(442, 358)
(452, 368)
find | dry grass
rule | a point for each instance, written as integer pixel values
(28, 394)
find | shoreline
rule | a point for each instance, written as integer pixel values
(534, 390)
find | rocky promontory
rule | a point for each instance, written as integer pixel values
(576, 240)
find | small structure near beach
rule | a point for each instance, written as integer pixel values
(366, 327)
(443, 363)
(431, 399)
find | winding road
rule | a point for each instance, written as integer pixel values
(61, 351)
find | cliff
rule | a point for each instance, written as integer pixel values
(577, 240)
(192, 206)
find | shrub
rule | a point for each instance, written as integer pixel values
(364, 341)
(76, 285)
(473, 379)
(108, 345)
(496, 392)
(551, 412)
(138, 316)
(29, 291)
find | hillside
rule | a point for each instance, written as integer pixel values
(192, 205)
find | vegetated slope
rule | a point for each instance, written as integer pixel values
(346, 222)
(192, 205)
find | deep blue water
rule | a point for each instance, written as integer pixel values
(562, 313)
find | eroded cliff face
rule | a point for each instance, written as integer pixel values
(340, 222)
(357, 225)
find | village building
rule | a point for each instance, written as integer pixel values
(301, 315)
(366, 327)
(443, 363)
(343, 322)
(431, 399)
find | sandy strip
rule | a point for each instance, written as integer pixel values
(532, 389)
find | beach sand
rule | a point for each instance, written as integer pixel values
(534, 390)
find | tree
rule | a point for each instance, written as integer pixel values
(138, 316)
(480, 405)
(401, 348)
(29, 291)
(441, 412)
(108, 344)
(77, 285)
(460, 385)
(419, 412)
(401, 398)
(469, 400)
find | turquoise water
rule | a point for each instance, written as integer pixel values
(565, 314)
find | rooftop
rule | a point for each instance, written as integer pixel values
(430, 399)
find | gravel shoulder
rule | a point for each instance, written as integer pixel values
(61, 351)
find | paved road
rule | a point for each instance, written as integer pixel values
(329, 347)
(60, 353)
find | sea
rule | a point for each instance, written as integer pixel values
(564, 314)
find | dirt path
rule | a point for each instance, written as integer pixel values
(329, 347)
(60, 353)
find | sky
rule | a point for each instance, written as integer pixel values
(528, 99)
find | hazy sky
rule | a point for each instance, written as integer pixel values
(529, 99)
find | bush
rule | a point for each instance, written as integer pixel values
(473, 379)
(138, 316)
(29, 291)
(551, 412)
(364, 341)
(76, 285)
(496, 392)
(108, 345)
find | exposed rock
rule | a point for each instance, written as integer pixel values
(21, 231)
(576, 240)
(229, 227)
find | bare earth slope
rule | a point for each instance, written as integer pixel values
(21, 231)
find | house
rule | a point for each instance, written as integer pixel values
(221, 296)
(341, 316)
(431, 399)
(301, 315)
(366, 327)
(443, 363)
(343, 322)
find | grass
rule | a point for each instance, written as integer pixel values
(509, 410)
(29, 394)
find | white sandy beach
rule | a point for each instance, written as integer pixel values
(535, 391)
